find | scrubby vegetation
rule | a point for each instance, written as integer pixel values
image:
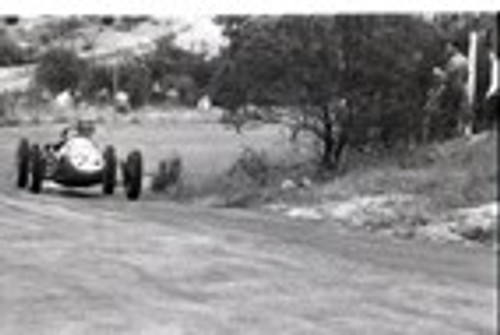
(457, 173)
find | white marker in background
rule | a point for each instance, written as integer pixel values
(471, 78)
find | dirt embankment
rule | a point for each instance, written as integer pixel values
(445, 192)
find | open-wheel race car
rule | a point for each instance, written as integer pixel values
(77, 162)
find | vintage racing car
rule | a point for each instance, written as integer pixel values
(78, 162)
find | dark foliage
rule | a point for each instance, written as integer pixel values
(60, 69)
(340, 75)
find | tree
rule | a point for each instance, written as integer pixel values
(59, 70)
(99, 78)
(175, 68)
(336, 75)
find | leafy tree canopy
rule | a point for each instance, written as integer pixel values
(376, 65)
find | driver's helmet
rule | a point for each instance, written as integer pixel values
(85, 125)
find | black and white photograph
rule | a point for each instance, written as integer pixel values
(289, 172)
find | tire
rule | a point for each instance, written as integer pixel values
(23, 163)
(109, 173)
(133, 175)
(37, 169)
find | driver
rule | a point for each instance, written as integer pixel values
(84, 127)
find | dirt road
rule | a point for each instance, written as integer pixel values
(79, 264)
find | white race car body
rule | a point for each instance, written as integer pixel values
(78, 162)
(83, 155)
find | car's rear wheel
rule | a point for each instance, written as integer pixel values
(109, 173)
(37, 169)
(23, 163)
(132, 170)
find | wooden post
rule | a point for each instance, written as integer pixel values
(471, 83)
(494, 55)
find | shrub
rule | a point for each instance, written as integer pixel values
(60, 69)
(245, 182)
(255, 179)
(251, 165)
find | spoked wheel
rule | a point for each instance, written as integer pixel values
(23, 163)
(109, 173)
(37, 169)
(132, 175)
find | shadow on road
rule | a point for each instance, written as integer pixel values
(73, 192)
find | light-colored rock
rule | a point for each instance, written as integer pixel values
(306, 213)
(374, 210)
(277, 207)
(475, 223)
(439, 232)
(288, 184)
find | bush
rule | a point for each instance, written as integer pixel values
(10, 53)
(135, 79)
(254, 179)
(245, 182)
(252, 165)
(59, 70)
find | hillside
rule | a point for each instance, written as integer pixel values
(111, 44)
